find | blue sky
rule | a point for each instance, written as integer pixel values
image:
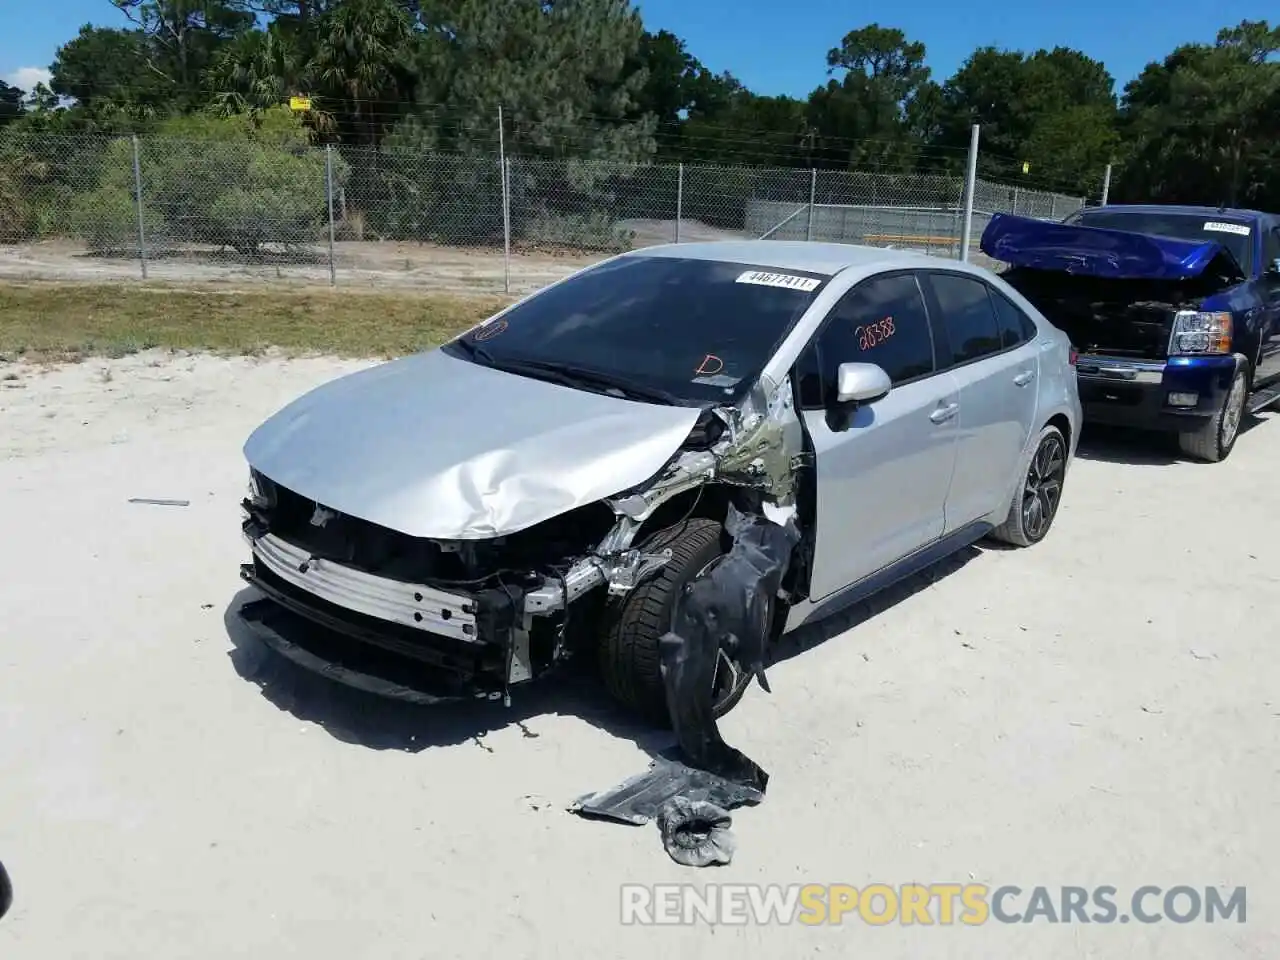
(781, 47)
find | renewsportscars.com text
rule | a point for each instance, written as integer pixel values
(944, 904)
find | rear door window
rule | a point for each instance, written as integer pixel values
(967, 316)
(1016, 328)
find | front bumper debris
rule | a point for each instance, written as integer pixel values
(413, 605)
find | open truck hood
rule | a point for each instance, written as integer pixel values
(435, 446)
(1098, 252)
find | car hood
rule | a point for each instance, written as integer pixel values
(436, 446)
(1093, 251)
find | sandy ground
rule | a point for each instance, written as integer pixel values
(1101, 709)
(357, 264)
(456, 270)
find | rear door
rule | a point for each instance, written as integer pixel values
(1268, 287)
(883, 468)
(990, 351)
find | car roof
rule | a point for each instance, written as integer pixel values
(811, 257)
(1194, 211)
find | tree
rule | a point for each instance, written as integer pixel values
(362, 59)
(258, 70)
(240, 182)
(183, 36)
(1055, 109)
(1201, 124)
(106, 70)
(863, 118)
(11, 105)
(565, 74)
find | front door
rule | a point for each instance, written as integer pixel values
(882, 469)
(995, 362)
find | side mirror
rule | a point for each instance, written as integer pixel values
(6, 892)
(861, 383)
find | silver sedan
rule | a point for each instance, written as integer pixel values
(724, 438)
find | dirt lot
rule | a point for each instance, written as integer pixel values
(363, 264)
(1101, 709)
(368, 264)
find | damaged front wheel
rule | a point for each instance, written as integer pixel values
(635, 623)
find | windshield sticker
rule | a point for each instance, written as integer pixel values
(709, 367)
(1218, 227)
(874, 334)
(490, 330)
(789, 281)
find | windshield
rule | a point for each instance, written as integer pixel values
(1233, 234)
(675, 330)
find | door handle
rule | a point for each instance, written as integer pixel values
(944, 413)
(1024, 378)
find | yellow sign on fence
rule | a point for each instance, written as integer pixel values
(299, 104)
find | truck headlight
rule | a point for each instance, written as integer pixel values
(1197, 332)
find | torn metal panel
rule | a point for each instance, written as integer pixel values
(765, 441)
(687, 471)
(511, 453)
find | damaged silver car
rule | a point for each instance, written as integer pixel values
(556, 479)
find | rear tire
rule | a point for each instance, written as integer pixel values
(1035, 504)
(634, 624)
(1214, 441)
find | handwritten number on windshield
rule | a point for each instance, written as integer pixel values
(874, 334)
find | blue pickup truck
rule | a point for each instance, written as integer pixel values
(1174, 312)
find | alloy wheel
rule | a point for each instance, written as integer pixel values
(1233, 413)
(1043, 488)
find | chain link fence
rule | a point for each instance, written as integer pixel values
(237, 210)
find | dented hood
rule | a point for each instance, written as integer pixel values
(1098, 252)
(435, 446)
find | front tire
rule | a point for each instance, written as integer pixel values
(1035, 504)
(634, 624)
(1214, 441)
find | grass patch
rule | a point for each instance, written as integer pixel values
(48, 321)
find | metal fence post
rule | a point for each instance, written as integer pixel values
(137, 190)
(328, 189)
(970, 182)
(813, 194)
(1106, 185)
(504, 171)
(679, 197)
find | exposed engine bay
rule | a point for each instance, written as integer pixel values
(1121, 317)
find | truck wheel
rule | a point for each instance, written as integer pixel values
(1036, 503)
(1214, 441)
(634, 623)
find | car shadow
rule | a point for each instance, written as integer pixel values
(379, 723)
(361, 718)
(810, 635)
(1108, 444)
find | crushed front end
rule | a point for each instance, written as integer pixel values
(415, 618)
(427, 619)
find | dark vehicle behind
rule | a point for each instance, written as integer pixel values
(1175, 312)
